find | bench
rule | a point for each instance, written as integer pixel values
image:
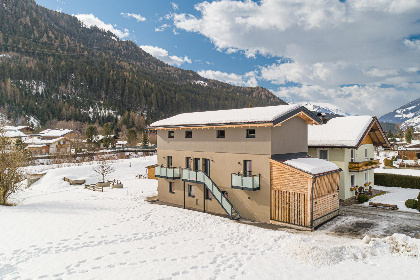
(383, 205)
(94, 187)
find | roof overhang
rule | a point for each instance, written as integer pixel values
(302, 112)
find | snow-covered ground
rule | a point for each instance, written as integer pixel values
(401, 171)
(396, 196)
(59, 231)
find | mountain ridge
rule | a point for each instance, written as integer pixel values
(53, 68)
(406, 115)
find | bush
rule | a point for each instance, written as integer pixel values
(418, 203)
(388, 162)
(362, 198)
(411, 203)
(396, 180)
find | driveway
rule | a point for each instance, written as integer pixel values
(357, 220)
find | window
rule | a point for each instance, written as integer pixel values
(207, 193)
(191, 191)
(250, 133)
(366, 153)
(171, 187)
(323, 154)
(188, 134)
(247, 168)
(221, 134)
(169, 161)
(197, 164)
(352, 155)
(352, 180)
(366, 177)
(171, 134)
(188, 161)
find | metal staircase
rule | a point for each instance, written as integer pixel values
(201, 178)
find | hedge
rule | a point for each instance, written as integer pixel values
(396, 180)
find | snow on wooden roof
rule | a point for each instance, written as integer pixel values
(313, 166)
(233, 116)
(14, 133)
(54, 132)
(340, 131)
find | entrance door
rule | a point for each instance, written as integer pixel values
(206, 166)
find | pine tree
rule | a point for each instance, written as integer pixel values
(145, 139)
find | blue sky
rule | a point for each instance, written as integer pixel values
(362, 56)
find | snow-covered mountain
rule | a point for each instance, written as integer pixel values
(325, 108)
(407, 115)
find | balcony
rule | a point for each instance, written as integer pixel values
(193, 176)
(168, 172)
(364, 165)
(243, 182)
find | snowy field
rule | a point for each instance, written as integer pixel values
(59, 231)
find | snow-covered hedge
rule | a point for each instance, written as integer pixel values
(396, 180)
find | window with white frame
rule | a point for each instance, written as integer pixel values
(366, 176)
(352, 155)
(352, 180)
(366, 153)
(323, 154)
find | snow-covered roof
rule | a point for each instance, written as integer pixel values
(232, 116)
(39, 141)
(10, 127)
(313, 166)
(54, 132)
(340, 131)
(14, 133)
(121, 142)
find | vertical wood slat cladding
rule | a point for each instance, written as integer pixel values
(289, 207)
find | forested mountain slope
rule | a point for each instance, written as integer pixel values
(53, 68)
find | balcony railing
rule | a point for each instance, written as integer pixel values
(168, 172)
(364, 165)
(244, 182)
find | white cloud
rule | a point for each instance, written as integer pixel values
(90, 20)
(137, 17)
(330, 43)
(249, 79)
(162, 27)
(412, 44)
(350, 99)
(375, 72)
(163, 55)
(174, 6)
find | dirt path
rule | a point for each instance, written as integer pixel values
(356, 220)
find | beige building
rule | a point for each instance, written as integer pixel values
(224, 162)
(349, 142)
(57, 146)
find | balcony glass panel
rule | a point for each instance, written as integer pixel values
(185, 174)
(247, 182)
(170, 173)
(157, 171)
(236, 180)
(226, 205)
(250, 183)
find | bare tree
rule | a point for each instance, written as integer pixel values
(104, 167)
(12, 160)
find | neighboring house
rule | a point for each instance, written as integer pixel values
(410, 151)
(249, 163)
(22, 128)
(121, 144)
(349, 142)
(56, 133)
(12, 136)
(38, 146)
